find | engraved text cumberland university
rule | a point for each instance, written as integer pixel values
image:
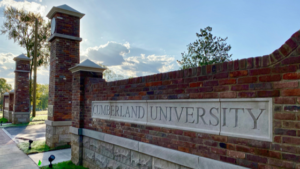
(169, 113)
(247, 118)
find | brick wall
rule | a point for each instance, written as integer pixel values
(275, 75)
(11, 102)
(22, 65)
(64, 55)
(22, 99)
(78, 86)
(67, 24)
(6, 100)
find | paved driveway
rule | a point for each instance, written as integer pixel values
(34, 132)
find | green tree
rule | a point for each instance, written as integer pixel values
(206, 50)
(110, 75)
(38, 94)
(44, 96)
(19, 25)
(4, 87)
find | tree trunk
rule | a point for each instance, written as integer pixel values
(30, 77)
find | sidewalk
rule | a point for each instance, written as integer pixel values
(60, 156)
(11, 157)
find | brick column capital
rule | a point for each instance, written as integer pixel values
(87, 66)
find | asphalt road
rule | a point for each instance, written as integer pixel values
(34, 132)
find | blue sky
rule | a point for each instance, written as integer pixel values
(136, 38)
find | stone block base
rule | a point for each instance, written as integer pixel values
(99, 150)
(57, 133)
(7, 115)
(20, 117)
(10, 116)
(98, 154)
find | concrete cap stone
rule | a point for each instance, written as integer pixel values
(64, 9)
(12, 91)
(21, 57)
(6, 94)
(88, 66)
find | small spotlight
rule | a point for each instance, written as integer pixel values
(51, 158)
(30, 142)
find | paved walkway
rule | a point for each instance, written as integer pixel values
(34, 132)
(60, 156)
(11, 157)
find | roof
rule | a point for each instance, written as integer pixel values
(87, 65)
(64, 9)
(12, 91)
(6, 94)
(21, 57)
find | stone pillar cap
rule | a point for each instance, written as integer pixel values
(6, 94)
(65, 9)
(88, 66)
(21, 57)
(12, 91)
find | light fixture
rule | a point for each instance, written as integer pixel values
(30, 141)
(51, 158)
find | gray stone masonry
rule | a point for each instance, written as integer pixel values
(99, 155)
(22, 117)
(57, 135)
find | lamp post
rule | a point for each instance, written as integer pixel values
(51, 158)
(30, 141)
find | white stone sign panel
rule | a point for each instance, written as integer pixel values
(6, 105)
(245, 118)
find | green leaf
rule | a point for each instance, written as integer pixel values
(39, 164)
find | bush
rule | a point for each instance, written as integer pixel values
(4, 120)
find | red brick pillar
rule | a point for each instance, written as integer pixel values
(84, 74)
(65, 39)
(6, 105)
(21, 112)
(11, 105)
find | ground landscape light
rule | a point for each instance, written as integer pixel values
(1, 123)
(51, 158)
(30, 141)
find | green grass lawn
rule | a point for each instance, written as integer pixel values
(44, 112)
(23, 124)
(64, 165)
(40, 118)
(38, 146)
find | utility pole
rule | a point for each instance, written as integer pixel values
(34, 62)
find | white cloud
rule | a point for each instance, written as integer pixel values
(129, 61)
(27, 6)
(7, 67)
(43, 75)
(10, 81)
(109, 54)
